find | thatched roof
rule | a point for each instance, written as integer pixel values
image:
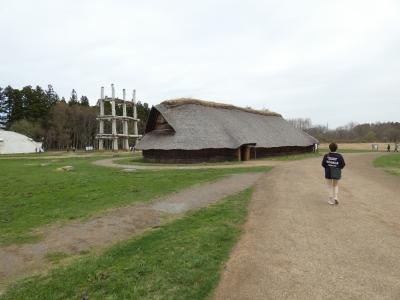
(197, 124)
(185, 101)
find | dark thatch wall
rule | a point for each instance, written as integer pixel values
(204, 155)
(189, 156)
(266, 152)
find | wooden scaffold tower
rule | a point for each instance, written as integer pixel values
(114, 136)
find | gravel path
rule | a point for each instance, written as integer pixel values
(296, 246)
(18, 261)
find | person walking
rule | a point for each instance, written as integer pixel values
(333, 164)
(388, 148)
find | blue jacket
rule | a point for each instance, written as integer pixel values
(333, 163)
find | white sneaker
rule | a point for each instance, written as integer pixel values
(331, 202)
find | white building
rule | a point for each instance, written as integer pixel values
(12, 142)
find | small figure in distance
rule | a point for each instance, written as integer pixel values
(333, 164)
(315, 148)
(388, 148)
(396, 147)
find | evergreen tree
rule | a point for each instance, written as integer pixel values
(74, 98)
(52, 97)
(14, 105)
(84, 101)
(36, 104)
(4, 109)
(143, 112)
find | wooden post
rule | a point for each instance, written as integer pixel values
(247, 153)
(125, 122)
(135, 128)
(114, 121)
(101, 123)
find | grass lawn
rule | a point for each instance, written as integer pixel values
(33, 193)
(390, 163)
(181, 260)
(63, 154)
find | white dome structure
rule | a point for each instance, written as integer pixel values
(12, 142)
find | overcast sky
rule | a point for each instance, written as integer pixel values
(331, 61)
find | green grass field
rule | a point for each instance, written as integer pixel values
(181, 260)
(33, 193)
(64, 154)
(390, 163)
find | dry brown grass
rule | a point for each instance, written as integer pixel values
(185, 101)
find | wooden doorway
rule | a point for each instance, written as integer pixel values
(244, 152)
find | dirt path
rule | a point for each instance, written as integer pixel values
(296, 246)
(18, 261)
(110, 162)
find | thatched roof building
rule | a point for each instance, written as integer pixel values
(189, 130)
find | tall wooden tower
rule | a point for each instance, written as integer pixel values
(114, 136)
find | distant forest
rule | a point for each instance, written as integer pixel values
(64, 124)
(59, 123)
(388, 132)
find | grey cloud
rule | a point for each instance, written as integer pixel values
(332, 61)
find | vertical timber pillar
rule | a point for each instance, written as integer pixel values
(125, 123)
(107, 140)
(101, 123)
(135, 127)
(114, 120)
(247, 153)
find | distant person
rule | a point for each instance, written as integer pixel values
(333, 163)
(396, 148)
(388, 148)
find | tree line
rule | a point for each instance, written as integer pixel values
(59, 123)
(385, 132)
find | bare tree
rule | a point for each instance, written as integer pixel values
(301, 123)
